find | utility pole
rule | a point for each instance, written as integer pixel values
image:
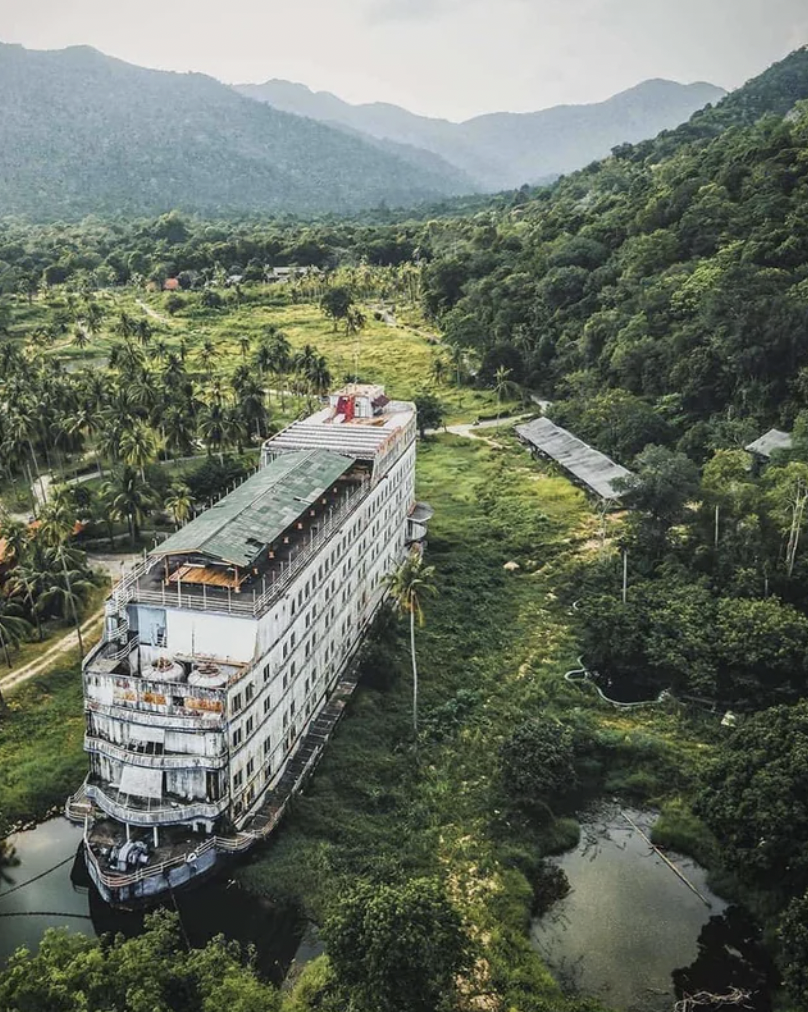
(625, 576)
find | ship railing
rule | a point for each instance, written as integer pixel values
(165, 760)
(239, 604)
(119, 880)
(164, 815)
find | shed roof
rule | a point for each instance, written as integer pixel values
(238, 527)
(770, 441)
(591, 467)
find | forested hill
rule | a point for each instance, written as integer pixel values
(503, 149)
(83, 133)
(660, 295)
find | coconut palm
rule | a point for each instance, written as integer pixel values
(129, 498)
(244, 343)
(140, 445)
(17, 537)
(504, 386)
(57, 523)
(13, 626)
(178, 429)
(212, 425)
(80, 337)
(438, 369)
(179, 504)
(407, 585)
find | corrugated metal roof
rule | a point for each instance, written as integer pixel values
(363, 440)
(238, 527)
(591, 467)
(770, 441)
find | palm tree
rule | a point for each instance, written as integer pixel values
(438, 369)
(17, 537)
(503, 385)
(57, 523)
(458, 361)
(130, 498)
(13, 627)
(407, 585)
(207, 354)
(212, 426)
(179, 504)
(281, 360)
(178, 430)
(244, 343)
(80, 337)
(140, 445)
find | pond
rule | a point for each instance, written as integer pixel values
(47, 886)
(629, 923)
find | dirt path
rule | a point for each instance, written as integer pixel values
(150, 311)
(68, 643)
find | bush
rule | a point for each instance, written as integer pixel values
(536, 762)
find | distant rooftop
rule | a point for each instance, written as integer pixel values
(589, 466)
(770, 441)
(239, 527)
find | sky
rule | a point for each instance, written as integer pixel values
(448, 58)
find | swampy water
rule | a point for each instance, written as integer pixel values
(64, 897)
(629, 924)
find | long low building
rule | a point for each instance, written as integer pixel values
(588, 466)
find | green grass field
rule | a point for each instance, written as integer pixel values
(400, 357)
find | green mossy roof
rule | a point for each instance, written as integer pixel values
(237, 529)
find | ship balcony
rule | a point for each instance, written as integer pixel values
(165, 811)
(151, 760)
(156, 584)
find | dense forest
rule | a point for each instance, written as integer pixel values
(658, 299)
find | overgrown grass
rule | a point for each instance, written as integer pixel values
(383, 806)
(41, 737)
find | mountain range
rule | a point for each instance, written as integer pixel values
(505, 150)
(81, 133)
(84, 133)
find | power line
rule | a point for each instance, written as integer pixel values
(42, 874)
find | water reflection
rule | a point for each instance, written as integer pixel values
(730, 956)
(47, 886)
(627, 921)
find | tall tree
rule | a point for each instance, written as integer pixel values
(408, 585)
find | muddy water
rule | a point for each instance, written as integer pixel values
(628, 921)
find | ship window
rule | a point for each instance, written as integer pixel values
(267, 704)
(248, 728)
(178, 701)
(285, 650)
(293, 669)
(294, 640)
(237, 780)
(267, 746)
(286, 720)
(250, 767)
(236, 702)
(292, 708)
(237, 737)
(285, 679)
(267, 673)
(249, 692)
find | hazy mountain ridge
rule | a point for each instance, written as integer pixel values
(502, 150)
(81, 132)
